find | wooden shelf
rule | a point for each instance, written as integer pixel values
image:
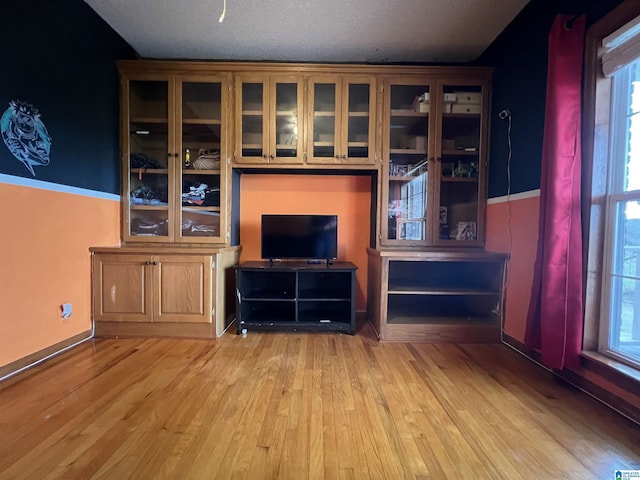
(201, 121)
(419, 290)
(158, 208)
(405, 151)
(475, 116)
(459, 179)
(459, 153)
(200, 172)
(408, 113)
(153, 171)
(199, 209)
(148, 120)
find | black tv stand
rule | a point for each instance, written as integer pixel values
(296, 296)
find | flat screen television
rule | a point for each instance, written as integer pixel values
(302, 237)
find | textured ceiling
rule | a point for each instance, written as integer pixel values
(374, 31)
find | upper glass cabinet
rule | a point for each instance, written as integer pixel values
(268, 119)
(201, 182)
(406, 195)
(460, 165)
(434, 148)
(175, 176)
(149, 161)
(341, 129)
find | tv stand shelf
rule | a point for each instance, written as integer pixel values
(295, 296)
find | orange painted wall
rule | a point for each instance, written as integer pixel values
(523, 225)
(347, 196)
(45, 261)
(512, 227)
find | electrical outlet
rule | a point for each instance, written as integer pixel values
(65, 311)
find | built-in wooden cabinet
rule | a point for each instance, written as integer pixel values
(421, 133)
(436, 295)
(435, 147)
(269, 119)
(174, 157)
(172, 292)
(341, 121)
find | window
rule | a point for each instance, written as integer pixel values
(612, 308)
(620, 335)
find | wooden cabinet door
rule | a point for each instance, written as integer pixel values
(341, 120)
(407, 148)
(461, 155)
(182, 288)
(201, 183)
(121, 288)
(251, 119)
(286, 129)
(148, 158)
(324, 120)
(358, 124)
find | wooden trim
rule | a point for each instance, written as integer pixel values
(166, 250)
(208, 67)
(40, 355)
(145, 329)
(589, 362)
(617, 373)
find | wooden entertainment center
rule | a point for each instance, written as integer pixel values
(190, 129)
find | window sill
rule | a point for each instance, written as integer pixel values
(617, 373)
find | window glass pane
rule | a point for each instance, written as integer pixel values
(631, 171)
(624, 329)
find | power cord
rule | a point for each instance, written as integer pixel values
(506, 114)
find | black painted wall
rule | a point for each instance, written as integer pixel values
(519, 56)
(60, 57)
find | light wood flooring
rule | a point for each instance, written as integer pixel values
(297, 406)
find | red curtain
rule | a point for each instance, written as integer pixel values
(554, 321)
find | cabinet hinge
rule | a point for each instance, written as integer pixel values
(213, 265)
(213, 312)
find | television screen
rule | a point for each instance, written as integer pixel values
(311, 237)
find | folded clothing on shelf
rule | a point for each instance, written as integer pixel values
(200, 194)
(144, 195)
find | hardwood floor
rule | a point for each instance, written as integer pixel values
(296, 406)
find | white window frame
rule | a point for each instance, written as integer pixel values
(606, 145)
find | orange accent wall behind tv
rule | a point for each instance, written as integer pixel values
(348, 196)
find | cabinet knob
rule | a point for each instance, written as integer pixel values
(337, 157)
(272, 157)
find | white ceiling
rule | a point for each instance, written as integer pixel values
(373, 31)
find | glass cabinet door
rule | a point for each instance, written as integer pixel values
(325, 122)
(251, 121)
(460, 172)
(149, 164)
(342, 120)
(201, 169)
(406, 176)
(358, 127)
(286, 136)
